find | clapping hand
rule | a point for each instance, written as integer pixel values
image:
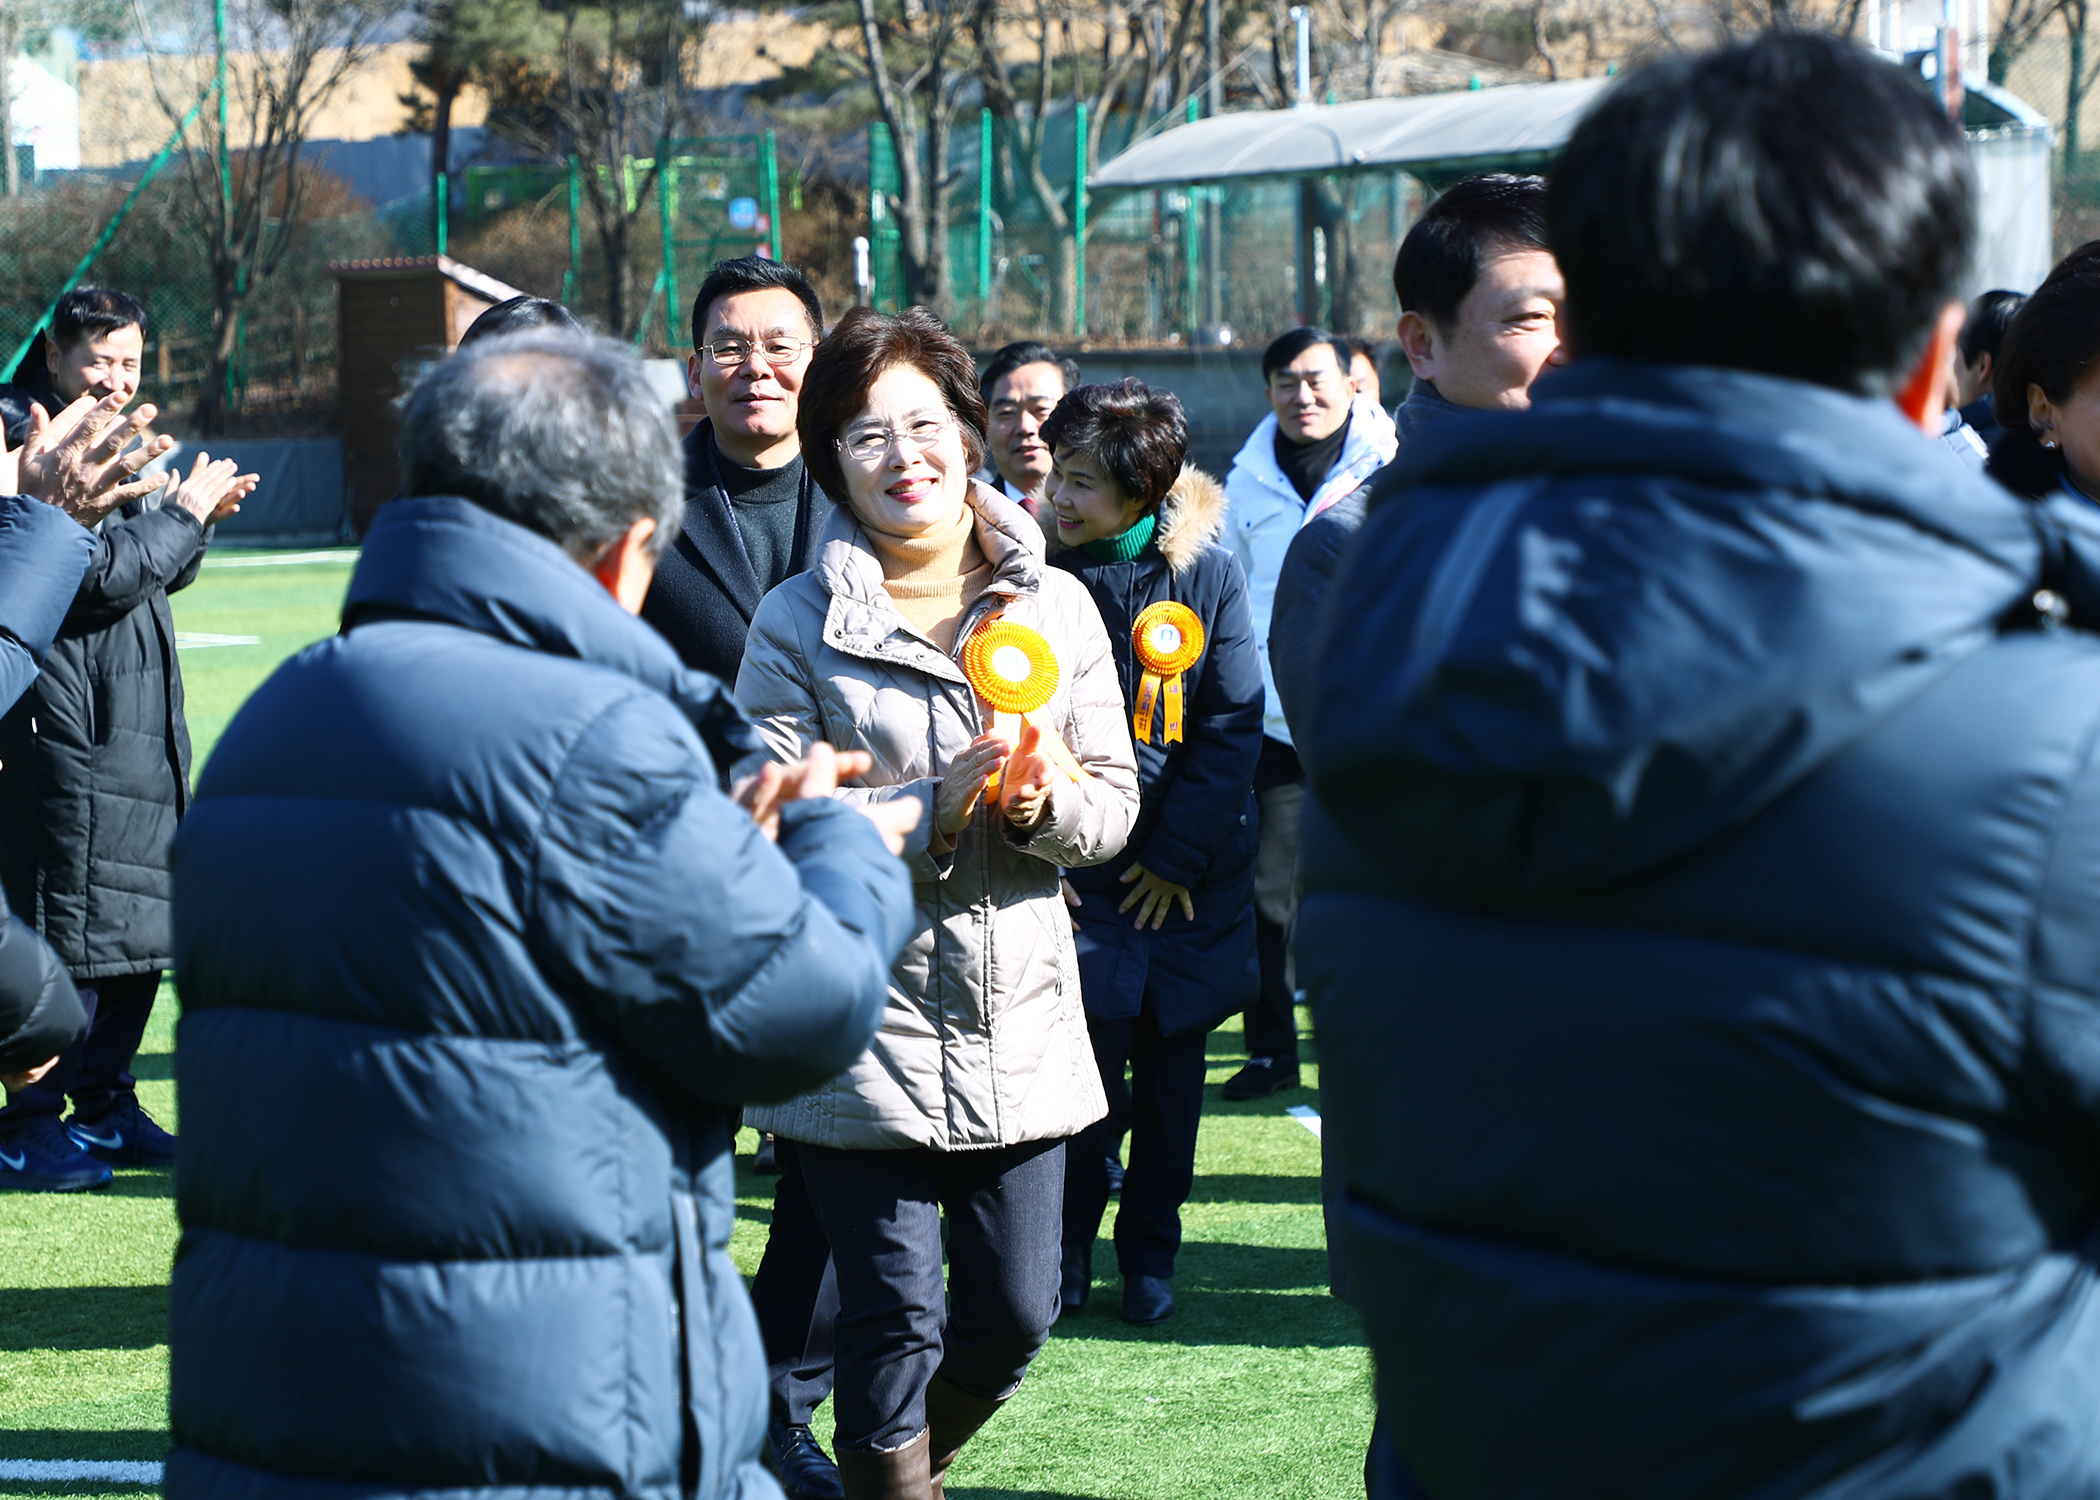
(818, 774)
(1025, 795)
(212, 492)
(956, 796)
(76, 460)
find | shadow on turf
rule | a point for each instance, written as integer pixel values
(149, 1446)
(81, 1317)
(1255, 1187)
(154, 1067)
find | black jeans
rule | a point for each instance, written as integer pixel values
(796, 1296)
(1270, 1024)
(881, 1211)
(96, 1070)
(1165, 1106)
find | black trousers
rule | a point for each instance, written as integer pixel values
(881, 1211)
(96, 1070)
(1270, 1025)
(1165, 1104)
(796, 1296)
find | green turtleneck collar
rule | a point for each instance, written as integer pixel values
(1126, 547)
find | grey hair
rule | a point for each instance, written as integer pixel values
(558, 431)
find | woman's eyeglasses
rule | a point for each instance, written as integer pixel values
(870, 445)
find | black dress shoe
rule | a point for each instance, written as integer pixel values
(765, 1161)
(1115, 1178)
(803, 1469)
(1075, 1281)
(1261, 1077)
(1147, 1300)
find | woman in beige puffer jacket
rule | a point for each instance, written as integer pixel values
(981, 1067)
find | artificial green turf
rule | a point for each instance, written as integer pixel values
(1257, 1387)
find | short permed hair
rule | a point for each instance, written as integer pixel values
(1026, 352)
(89, 312)
(1287, 348)
(754, 273)
(848, 363)
(1139, 435)
(1791, 205)
(1439, 260)
(559, 432)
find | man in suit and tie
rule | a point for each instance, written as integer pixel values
(754, 519)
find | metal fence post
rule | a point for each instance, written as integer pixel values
(1189, 248)
(572, 284)
(1079, 222)
(665, 188)
(984, 214)
(444, 211)
(769, 175)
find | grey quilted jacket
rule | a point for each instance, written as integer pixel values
(983, 1042)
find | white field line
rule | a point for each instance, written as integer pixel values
(1307, 1116)
(63, 1470)
(189, 639)
(344, 555)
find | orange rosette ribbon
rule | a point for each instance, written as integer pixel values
(1013, 669)
(1168, 639)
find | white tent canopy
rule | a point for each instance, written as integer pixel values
(1416, 132)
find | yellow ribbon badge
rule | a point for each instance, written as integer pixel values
(1168, 638)
(1013, 669)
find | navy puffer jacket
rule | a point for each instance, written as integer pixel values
(1197, 823)
(477, 963)
(1702, 925)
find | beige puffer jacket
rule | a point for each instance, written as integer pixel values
(984, 1042)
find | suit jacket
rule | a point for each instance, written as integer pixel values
(706, 590)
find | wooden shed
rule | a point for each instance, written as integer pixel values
(397, 317)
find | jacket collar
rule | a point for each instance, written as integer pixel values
(447, 559)
(1370, 443)
(861, 619)
(710, 538)
(1424, 404)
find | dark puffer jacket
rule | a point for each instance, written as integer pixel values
(477, 963)
(1196, 824)
(1703, 933)
(95, 757)
(42, 555)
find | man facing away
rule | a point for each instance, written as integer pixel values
(1320, 441)
(478, 962)
(1022, 384)
(1976, 360)
(753, 518)
(94, 770)
(1480, 304)
(1700, 909)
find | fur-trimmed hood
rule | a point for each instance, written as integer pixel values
(1190, 518)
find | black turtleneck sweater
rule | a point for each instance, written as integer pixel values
(1305, 465)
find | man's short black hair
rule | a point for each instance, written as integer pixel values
(754, 273)
(519, 315)
(1296, 342)
(90, 312)
(1792, 205)
(1440, 258)
(1357, 344)
(1026, 352)
(1989, 316)
(1138, 434)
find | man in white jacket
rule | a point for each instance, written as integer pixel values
(1318, 444)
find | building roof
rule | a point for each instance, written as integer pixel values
(478, 282)
(1515, 127)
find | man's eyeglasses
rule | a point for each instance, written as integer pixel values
(870, 445)
(782, 350)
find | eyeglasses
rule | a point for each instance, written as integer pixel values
(729, 353)
(870, 445)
